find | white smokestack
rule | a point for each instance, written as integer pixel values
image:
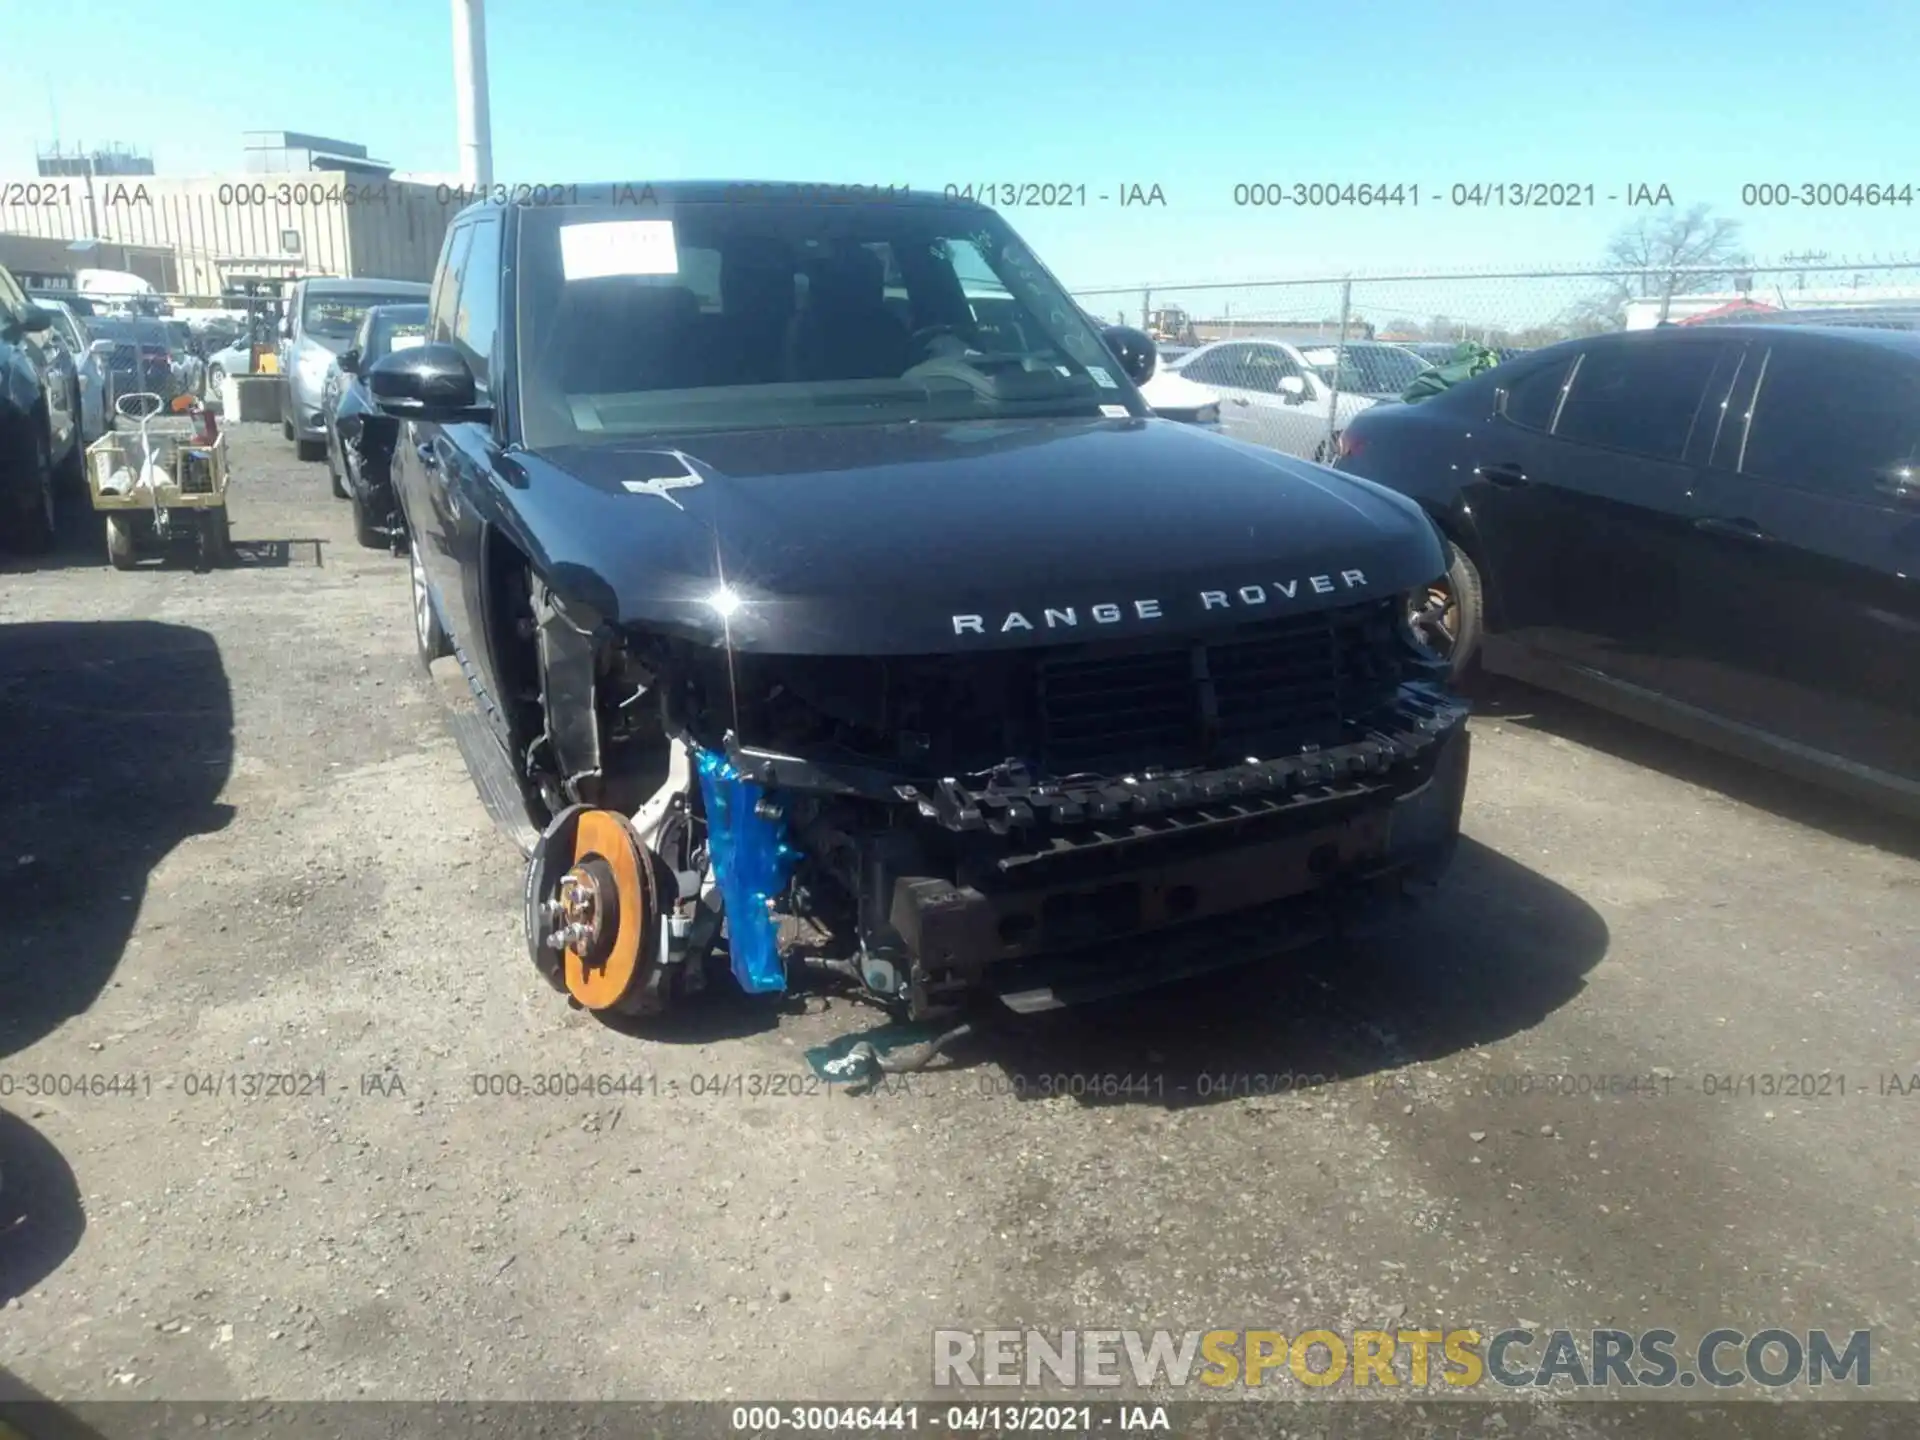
(470, 91)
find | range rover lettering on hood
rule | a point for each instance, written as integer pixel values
(1113, 612)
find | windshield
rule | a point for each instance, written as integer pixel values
(332, 319)
(744, 315)
(1370, 369)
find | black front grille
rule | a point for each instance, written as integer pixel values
(1264, 691)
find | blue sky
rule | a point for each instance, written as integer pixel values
(1193, 98)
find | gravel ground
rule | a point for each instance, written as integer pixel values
(237, 841)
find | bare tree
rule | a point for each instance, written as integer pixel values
(1655, 246)
(1684, 250)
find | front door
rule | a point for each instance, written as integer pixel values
(1584, 493)
(1811, 540)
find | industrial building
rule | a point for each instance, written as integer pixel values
(303, 205)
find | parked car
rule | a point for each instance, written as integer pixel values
(359, 438)
(321, 318)
(1712, 529)
(770, 596)
(234, 359)
(1280, 393)
(141, 357)
(39, 426)
(89, 369)
(1174, 397)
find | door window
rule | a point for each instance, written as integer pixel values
(1265, 368)
(446, 285)
(1216, 367)
(1835, 419)
(1638, 397)
(477, 314)
(1533, 400)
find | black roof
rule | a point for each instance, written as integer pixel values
(1904, 342)
(644, 193)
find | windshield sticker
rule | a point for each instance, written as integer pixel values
(1320, 357)
(408, 342)
(602, 248)
(1102, 378)
(1116, 412)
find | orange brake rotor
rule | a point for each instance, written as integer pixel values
(607, 865)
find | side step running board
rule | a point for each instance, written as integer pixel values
(486, 758)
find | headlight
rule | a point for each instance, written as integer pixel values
(1429, 620)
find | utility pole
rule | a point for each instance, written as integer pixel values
(470, 92)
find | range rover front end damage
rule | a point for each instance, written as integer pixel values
(1046, 823)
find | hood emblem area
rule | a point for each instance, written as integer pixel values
(661, 486)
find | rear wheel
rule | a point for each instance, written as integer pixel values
(364, 530)
(334, 464)
(286, 425)
(428, 633)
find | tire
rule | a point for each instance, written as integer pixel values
(428, 633)
(1453, 620)
(340, 490)
(364, 530)
(286, 423)
(122, 550)
(310, 450)
(216, 385)
(37, 510)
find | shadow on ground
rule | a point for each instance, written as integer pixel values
(1494, 951)
(40, 1216)
(1510, 702)
(119, 740)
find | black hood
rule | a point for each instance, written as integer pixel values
(928, 538)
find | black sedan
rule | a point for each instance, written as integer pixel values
(1714, 530)
(359, 438)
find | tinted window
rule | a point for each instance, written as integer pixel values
(1531, 399)
(446, 284)
(1640, 398)
(478, 315)
(1265, 367)
(1216, 366)
(1834, 419)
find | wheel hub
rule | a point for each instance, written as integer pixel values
(585, 915)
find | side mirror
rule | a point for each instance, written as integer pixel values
(1294, 389)
(1135, 351)
(431, 382)
(349, 363)
(101, 348)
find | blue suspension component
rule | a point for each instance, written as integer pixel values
(752, 862)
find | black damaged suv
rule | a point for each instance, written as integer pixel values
(829, 594)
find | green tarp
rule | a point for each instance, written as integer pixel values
(1468, 361)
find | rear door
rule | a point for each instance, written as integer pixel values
(464, 452)
(418, 464)
(1811, 542)
(1585, 496)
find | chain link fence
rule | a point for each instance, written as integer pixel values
(1334, 330)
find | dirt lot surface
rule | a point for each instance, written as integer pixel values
(240, 860)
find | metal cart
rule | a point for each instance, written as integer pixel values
(161, 490)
